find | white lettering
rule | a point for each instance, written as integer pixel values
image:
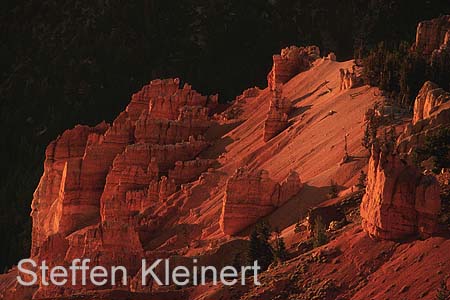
(27, 272)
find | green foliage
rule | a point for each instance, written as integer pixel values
(319, 233)
(373, 122)
(443, 293)
(279, 249)
(259, 247)
(436, 146)
(397, 71)
(366, 140)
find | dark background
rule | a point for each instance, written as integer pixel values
(65, 62)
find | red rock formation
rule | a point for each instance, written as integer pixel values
(97, 179)
(331, 56)
(399, 201)
(431, 113)
(428, 100)
(167, 99)
(158, 191)
(187, 171)
(191, 121)
(290, 62)
(432, 35)
(250, 196)
(288, 188)
(349, 79)
(106, 245)
(249, 93)
(67, 150)
(167, 155)
(277, 117)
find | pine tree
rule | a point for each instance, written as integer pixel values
(319, 233)
(366, 141)
(280, 251)
(260, 248)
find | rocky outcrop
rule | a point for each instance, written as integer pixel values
(159, 190)
(187, 171)
(277, 117)
(167, 99)
(81, 185)
(249, 93)
(63, 158)
(290, 62)
(432, 35)
(250, 196)
(399, 201)
(431, 113)
(97, 180)
(428, 100)
(191, 121)
(350, 78)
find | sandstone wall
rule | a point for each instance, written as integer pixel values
(399, 201)
(277, 117)
(251, 196)
(428, 100)
(97, 180)
(190, 121)
(431, 113)
(290, 62)
(187, 171)
(432, 35)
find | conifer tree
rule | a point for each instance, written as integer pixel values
(319, 233)
(280, 251)
(259, 247)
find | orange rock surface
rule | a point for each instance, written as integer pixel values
(252, 196)
(167, 180)
(431, 35)
(399, 200)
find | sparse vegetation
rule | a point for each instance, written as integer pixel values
(362, 180)
(395, 70)
(373, 122)
(436, 148)
(259, 247)
(333, 190)
(443, 293)
(400, 72)
(69, 62)
(319, 233)
(279, 248)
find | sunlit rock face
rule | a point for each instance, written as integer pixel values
(250, 196)
(429, 99)
(277, 117)
(432, 35)
(291, 61)
(97, 180)
(399, 201)
(431, 114)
